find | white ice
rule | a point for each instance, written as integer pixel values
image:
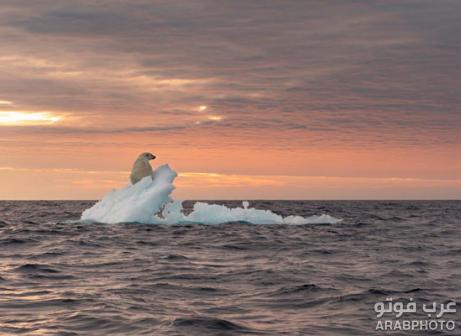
(149, 202)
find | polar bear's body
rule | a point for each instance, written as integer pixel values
(141, 167)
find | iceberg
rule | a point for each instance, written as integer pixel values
(149, 202)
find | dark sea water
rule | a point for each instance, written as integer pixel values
(61, 277)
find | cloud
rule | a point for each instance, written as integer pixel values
(384, 71)
(88, 184)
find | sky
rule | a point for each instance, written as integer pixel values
(244, 99)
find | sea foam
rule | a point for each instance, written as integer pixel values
(149, 202)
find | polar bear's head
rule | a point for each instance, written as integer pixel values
(147, 156)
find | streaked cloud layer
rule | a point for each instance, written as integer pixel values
(209, 84)
(63, 182)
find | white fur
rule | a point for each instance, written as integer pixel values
(141, 167)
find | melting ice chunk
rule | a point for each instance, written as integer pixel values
(148, 201)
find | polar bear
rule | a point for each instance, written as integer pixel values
(141, 167)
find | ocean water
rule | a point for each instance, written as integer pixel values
(62, 277)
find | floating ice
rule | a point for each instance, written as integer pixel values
(135, 203)
(148, 201)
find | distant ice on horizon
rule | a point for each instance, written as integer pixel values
(149, 202)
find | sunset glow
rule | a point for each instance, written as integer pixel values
(10, 118)
(282, 102)
(197, 167)
(215, 117)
